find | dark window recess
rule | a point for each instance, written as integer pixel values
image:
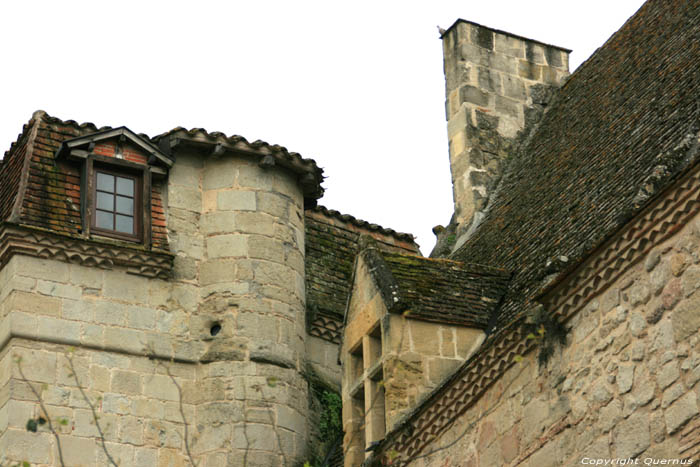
(116, 204)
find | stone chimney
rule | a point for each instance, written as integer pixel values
(497, 85)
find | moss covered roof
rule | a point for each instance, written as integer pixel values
(437, 290)
(331, 247)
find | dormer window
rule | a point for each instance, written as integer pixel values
(116, 204)
(118, 168)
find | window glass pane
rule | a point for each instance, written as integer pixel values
(105, 220)
(105, 182)
(125, 205)
(125, 186)
(105, 201)
(125, 224)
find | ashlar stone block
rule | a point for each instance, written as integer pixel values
(35, 304)
(252, 176)
(184, 197)
(218, 174)
(79, 452)
(160, 387)
(35, 448)
(226, 246)
(236, 201)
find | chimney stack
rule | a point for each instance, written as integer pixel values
(497, 85)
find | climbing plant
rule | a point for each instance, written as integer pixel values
(546, 331)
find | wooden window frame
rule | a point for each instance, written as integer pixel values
(142, 197)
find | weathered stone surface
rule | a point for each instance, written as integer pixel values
(639, 294)
(509, 445)
(625, 378)
(643, 392)
(547, 456)
(671, 294)
(671, 394)
(223, 246)
(186, 198)
(678, 263)
(534, 419)
(631, 436)
(652, 260)
(236, 200)
(690, 281)
(610, 300)
(659, 277)
(637, 351)
(686, 319)
(584, 328)
(513, 87)
(610, 415)
(473, 95)
(680, 412)
(637, 324)
(663, 338)
(667, 374)
(657, 428)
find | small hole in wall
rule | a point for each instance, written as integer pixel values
(215, 329)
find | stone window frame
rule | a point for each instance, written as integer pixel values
(367, 394)
(141, 175)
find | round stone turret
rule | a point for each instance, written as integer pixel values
(236, 220)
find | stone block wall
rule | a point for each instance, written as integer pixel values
(365, 310)
(419, 355)
(105, 321)
(229, 327)
(322, 357)
(496, 85)
(624, 386)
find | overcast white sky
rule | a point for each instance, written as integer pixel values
(357, 86)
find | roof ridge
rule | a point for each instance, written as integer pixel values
(452, 262)
(350, 219)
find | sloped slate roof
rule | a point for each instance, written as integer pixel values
(438, 290)
(331, 247)
(622, 128)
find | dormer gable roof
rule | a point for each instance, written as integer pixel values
(437, 290)
(82, 146)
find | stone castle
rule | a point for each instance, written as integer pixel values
(183, 300)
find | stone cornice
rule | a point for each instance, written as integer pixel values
(31, 241)
(658, 221)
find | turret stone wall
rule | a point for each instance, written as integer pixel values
(496, 85)
(208, 364)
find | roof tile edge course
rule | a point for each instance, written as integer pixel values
(282, 155)
(322, 211)
(292, 160)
